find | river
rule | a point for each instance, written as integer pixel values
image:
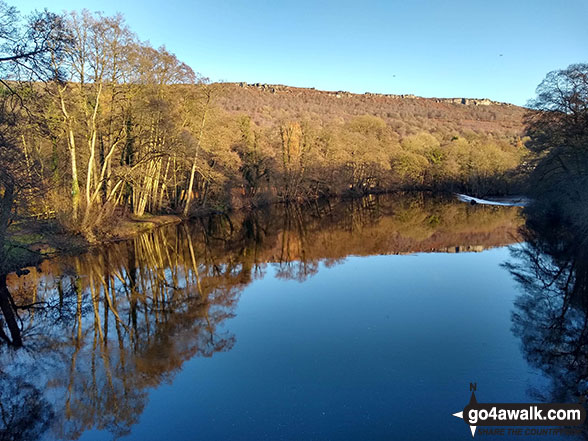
(365, 319)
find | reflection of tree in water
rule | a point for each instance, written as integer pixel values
(551, 315)
(293, 262)
(24, 413)
(119, 321)
(108, 325)
(9, 315)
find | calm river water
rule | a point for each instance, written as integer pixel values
(350, 320)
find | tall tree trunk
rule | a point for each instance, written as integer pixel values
(71, 141)
(91, 161)
(193, 170)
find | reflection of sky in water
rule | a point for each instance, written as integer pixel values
(366, 349)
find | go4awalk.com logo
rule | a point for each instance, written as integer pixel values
(495, 417)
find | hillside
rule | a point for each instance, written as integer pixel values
(266, 103)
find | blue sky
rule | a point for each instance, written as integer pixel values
(477, 48)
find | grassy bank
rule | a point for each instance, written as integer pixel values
(31, 241)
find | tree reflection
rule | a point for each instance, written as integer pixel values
(116, 322)
(551, 315)
(99, 330)
(9, 313)
(24, 413)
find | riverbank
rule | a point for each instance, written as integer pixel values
(31, 241)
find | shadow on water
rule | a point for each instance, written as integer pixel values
(551, 315)
(98, 330)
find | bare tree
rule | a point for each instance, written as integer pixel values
(558, 127)
(26, 48)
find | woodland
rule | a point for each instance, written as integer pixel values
(98, 126)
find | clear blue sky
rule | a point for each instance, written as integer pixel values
(447, 48)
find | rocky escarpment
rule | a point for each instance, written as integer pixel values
(282, 89)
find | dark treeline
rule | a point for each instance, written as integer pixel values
(97, 125)
(559, 135)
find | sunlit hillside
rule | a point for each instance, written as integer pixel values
(407, 114)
